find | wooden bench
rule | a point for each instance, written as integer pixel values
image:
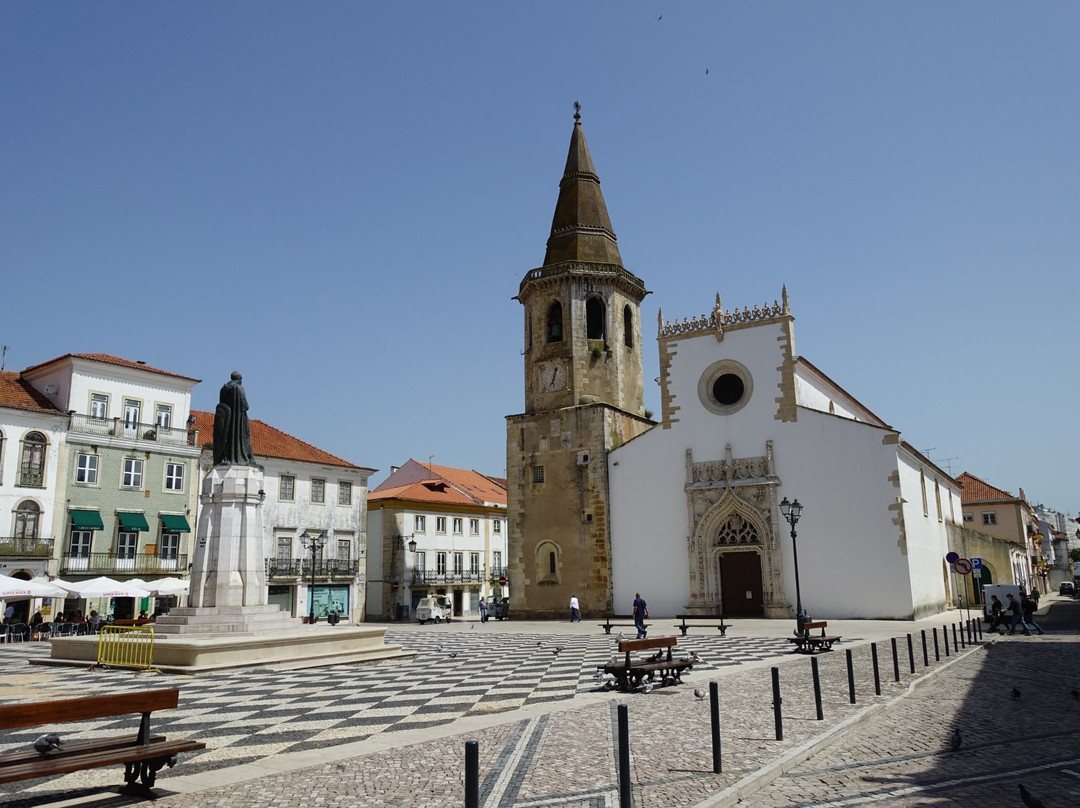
(141, 754)
(684, 627)
(607, 625)
(809, 643)
(630, 673)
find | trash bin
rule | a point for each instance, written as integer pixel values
(332, 618)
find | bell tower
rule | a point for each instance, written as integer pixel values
(584, 395)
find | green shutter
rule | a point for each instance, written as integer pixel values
(175, 524)
(133, 521)
(86, 520)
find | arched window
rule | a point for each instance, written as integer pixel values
(32, 465)
(547, 562)
(628, 327)
(554, 322)
(551, 563)
(594, 318)
(27, 515)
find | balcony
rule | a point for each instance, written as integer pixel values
(327, 568)
(140, 563)
(118, 428)
(429, 578)
(18, 547)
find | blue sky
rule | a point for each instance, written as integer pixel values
(340, 199)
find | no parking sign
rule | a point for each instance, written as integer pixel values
(963, 566)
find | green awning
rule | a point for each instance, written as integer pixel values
(133, 521)
(175, 524)
(86, 520)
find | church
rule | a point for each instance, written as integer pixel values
(604, 502)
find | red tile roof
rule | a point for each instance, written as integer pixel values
(21, 395)
(972, 489)
(426, 482)
(109, 359)
(267, 441)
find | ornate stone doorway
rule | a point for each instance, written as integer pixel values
(740, 584)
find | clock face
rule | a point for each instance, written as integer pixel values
(553, 377)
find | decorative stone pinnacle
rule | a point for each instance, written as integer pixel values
(577, 111)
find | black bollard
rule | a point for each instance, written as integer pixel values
(817, 688)
(910, 654)
(877, 673)
(955, 641)
(472, 774)
(978, 625)
(945, 634)
(778, 719)
(962, 643)
(925, 651)
(971, 632)
(714, 707)
(895, 661)
(625, 797)
(937, 650)
(850, 677)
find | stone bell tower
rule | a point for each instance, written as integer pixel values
(584, 395)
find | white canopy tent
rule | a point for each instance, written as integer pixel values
(103, 587)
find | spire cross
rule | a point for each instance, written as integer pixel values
(577, 111)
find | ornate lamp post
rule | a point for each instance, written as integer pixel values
(792, 511)
(316, 543)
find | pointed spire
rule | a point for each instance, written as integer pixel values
(581, 229)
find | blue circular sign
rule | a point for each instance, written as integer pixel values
(952, 557)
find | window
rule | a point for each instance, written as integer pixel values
(628, 327)
(27, 515)
(968, 517)
(318, 490)
(440, 563)
(344, 549)
(80, 543)
(594, 318)
(344, 493)
(284, 548)
(163, 416)
(554, 322)
(99, 406)
(496, 562)
(132, 473)
(32, 465)
(86, 468)
(496, 526)
(286, 488)
(474, 527)
(126, 544)
(421, 561)
(170, 546)
(132, 411)
(174, 477)
(922, 486)
(458, 524)
(440, 524)
(537, 474)
(989, 517)
(459, 563)
(725, 387)
(937, 500)
(418, 523)
(474, 563)
(551, 562)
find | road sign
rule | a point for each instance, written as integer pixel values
(951, 557)
(395, 585)
(502, 580)
(963, 566)
(976, 563)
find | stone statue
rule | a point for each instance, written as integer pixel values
(232, 434)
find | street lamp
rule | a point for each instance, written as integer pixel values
(792, 511)
(316, 543)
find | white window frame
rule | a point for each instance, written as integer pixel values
(174, 477)
(459, 525)
(421, 561)
(127, 544)
(284, 548)
(344, 493)
(287, 481)
(86, 473)
(344, 549)
(459, 563)
(496, 526)
(81, 543)
(440, 524)
(163, 415)
(474, 527)
(474, 563)
(170, 546)
(440, 563)
(132, 412)
(989, 517)
(132, 474)
(99, 406)
(419, 523)
(318, 491)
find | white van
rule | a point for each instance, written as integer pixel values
(435, 609)
(1001, 590)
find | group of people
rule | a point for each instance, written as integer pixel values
(1018, 611)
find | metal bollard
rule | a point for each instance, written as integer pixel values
(971, 632)
(978, 624)
(850, 677)
(895, 661)
(955, 641)
(945, 634)
(778, 719)
(714, 707)
(925, 651)
(910, 654)
(817, 688)
(937, 650)
(877, 673)
(472, 774)
(625, 797)
(962, 643)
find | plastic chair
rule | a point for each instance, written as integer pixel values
(17, 632)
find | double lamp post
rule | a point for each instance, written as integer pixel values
(791, 512)
(316, 543)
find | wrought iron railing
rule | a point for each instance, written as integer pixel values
(429, 577)
(13, 546)
(31, 477)
(301, 568)
(105, 563)
(119, 428)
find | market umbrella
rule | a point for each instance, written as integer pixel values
(103, 587)
(15, 588)
(168, 586)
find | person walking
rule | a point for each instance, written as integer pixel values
(575, 610)
(641, 614)
(997, 612)
(483, 610)
(1028, 605)
(1017, 613)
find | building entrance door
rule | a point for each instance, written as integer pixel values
(740, 584)
(457, 603)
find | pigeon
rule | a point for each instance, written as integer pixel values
(1029, 799)
(694, 656)
(699, 693)
(1016, 694)
(48, 743)
(558, 649)
(540, 644)
(620, 636)
(453, 654)
(956, 740)
(438, 648)
(599, 676)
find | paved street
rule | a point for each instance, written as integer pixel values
(394, 734)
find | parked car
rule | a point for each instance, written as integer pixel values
(1067, 588)
(431, 610)
(500, 609)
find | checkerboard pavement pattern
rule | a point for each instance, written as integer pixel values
(250, 714)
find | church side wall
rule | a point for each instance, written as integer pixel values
(926, 536)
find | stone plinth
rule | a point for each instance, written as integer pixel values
(225, 620)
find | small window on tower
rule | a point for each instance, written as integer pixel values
(537, 474)
(628, 327)
(594, 318)
(554, 322)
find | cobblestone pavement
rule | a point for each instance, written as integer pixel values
(560, 751)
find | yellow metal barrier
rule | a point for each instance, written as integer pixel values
(126, 647)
